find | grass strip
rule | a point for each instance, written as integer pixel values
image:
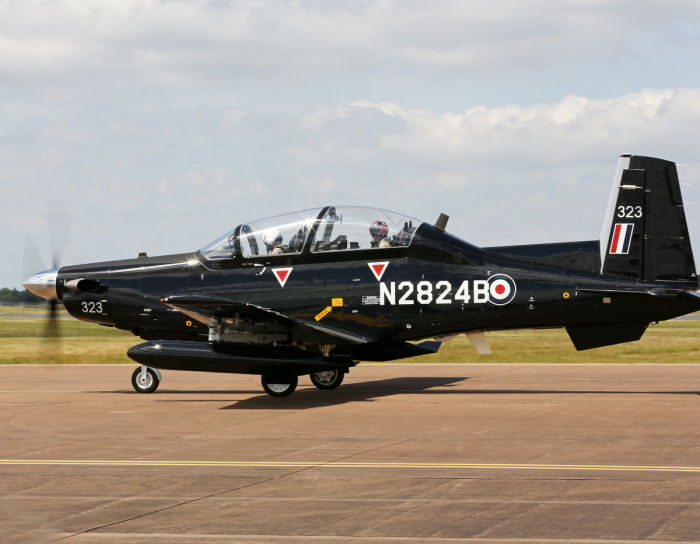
(23, 341)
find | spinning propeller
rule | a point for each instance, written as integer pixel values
(43, 284)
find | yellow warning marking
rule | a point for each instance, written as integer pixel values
(345, 464)
(323, 313)
(336, 302)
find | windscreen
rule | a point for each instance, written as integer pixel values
(281, 234)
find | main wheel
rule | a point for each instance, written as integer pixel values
(327, 379)
(279, 386)
(145, 380)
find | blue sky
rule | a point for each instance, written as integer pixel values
(158, 125)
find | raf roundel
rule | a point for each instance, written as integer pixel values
(501, 289)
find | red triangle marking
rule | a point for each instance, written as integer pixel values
(378, 269)
(282, 275)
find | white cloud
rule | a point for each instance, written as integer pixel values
(183, 41)
(649, 121)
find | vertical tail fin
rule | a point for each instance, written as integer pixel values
(645, 234)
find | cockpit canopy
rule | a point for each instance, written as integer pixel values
(330, 228)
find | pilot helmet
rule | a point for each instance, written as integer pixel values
(272, 237)
(379, 229)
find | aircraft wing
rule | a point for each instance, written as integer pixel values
(203, 308)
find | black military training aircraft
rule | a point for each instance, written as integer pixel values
(314, 292)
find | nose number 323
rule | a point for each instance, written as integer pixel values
(91, 307)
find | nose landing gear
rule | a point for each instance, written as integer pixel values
(279, 386)
(145, 379)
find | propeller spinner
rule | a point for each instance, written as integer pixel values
(43, 284)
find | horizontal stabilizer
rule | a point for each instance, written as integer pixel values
(597, 335)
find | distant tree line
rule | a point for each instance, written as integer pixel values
(14, 296)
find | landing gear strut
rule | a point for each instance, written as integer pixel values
(279, 385)
(145, 379)
(327, 379)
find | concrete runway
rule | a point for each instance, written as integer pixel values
(401, 453)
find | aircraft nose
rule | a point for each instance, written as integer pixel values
(43, 284)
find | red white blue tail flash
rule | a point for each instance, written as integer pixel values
(621, 239)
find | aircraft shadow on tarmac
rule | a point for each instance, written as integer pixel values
(353, 392)
(370, 390)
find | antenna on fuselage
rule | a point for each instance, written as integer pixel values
(441, 222)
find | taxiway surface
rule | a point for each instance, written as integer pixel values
(401, 453)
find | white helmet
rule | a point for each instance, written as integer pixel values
(272, 237)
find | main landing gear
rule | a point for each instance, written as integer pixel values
(284, 385)
(279, 385)
(327, 379)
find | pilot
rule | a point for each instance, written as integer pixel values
(403, 237)
(273, 241)
(379, 230)
(296, 243)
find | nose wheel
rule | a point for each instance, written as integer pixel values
(327, 379)
(145, 379)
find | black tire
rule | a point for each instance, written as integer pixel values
(279, 385)
(147, 383)
(327, 379)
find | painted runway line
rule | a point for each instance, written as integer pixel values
(344, 464)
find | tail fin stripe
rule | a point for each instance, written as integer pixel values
(628, 238)
(616, 237)
(622, 239)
